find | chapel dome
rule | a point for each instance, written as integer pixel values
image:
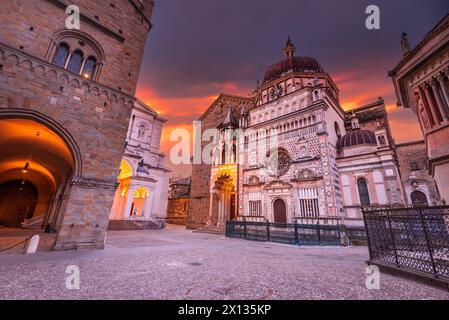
(357, 137)
(292, 63)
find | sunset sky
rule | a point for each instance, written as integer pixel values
(201, 48)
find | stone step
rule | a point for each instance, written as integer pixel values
(118, 225)
(124, 225)
(218, 230)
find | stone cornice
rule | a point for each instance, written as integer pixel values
(94, 184)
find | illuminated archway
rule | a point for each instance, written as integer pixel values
(140, 198)
(35, 151)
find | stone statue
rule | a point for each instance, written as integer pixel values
(405, 44)
(422, 111)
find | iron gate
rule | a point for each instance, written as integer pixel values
(288, 233)
(410, 239)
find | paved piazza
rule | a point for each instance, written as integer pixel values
(179, 264)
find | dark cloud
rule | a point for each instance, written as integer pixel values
(198, 42)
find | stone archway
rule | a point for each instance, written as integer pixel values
(223, 201)
(279, 211)
(38, 151)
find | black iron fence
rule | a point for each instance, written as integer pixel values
(410, 239)
(288, 233)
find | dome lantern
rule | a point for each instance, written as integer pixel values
(289, 49)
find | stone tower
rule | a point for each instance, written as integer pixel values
(65, 100)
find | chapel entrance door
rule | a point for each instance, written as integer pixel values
(280, 211)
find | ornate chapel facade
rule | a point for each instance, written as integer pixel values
(324, 163)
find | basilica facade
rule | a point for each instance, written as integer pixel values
(298, 156)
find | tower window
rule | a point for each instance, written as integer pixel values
(78, 53)
(61, 55)
(89, 67)
(76, 62)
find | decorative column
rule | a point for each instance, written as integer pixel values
(426, 106)
(69, 57)
(444, 89)
(129, 202)
(440, 103)
(211, 205)
(149, 205)
(430, 102)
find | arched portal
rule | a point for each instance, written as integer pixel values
(418, 198)
(280, 211)
(36, 165)
(223, 206)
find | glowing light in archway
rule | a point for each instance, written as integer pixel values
(126, 171)
(140, 193)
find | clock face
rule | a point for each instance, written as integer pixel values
(277, 92)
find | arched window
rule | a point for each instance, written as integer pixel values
(60, 57)
(75, 62)
(89, 67)
(362, 185)
(77, 52)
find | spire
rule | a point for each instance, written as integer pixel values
(289, 49)
(229, 119)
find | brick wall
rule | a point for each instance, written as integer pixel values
(94, 114)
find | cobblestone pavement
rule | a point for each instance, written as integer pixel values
(179, 264)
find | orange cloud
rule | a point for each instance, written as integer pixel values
(356, 90)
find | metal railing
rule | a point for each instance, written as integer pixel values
(318, 220)
(288, 233)
(410, 239)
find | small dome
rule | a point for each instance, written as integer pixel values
(295, 64)
(357, 137)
